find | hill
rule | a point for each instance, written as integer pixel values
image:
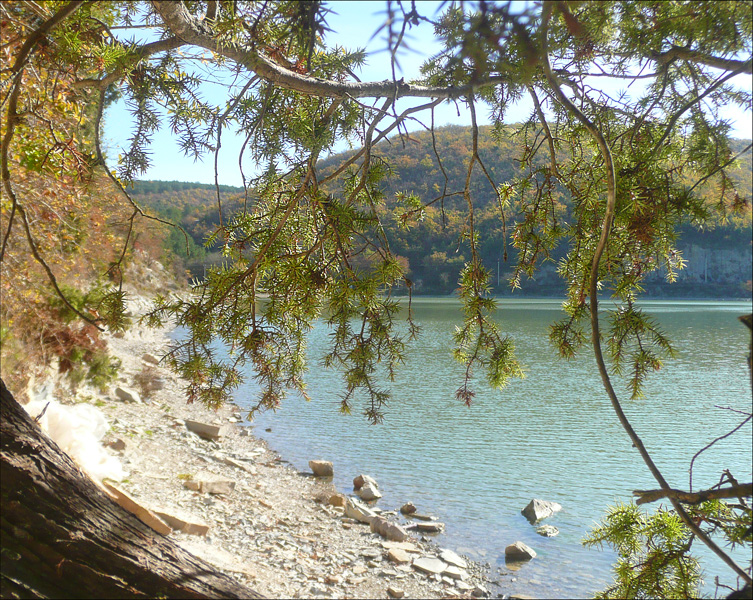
(719, 256)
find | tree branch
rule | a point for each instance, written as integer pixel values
(736, 491)
(41, 31)
(192, 31)
(726, 64)
(137, 54)
(593, 298)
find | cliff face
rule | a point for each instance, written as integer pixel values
(716, 265)
(713, 269)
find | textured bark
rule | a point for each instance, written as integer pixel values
(63, 537)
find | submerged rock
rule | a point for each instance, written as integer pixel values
(450, 557)
(427, 527)
(547, 530)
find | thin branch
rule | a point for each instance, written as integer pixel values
(735, 491)
(50, 275)
(136, 54)
(721, 167)
(727, 64)
(220, 123)
(676, 116)
(707, 446)
(545, 125)
(7, 233)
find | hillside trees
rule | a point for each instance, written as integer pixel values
(312, 243)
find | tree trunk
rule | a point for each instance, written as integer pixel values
(63, 537)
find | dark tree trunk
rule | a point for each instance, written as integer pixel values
(63, 537)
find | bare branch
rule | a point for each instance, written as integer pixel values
(735, 491)
(707, 446)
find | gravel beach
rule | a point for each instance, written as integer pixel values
(273, 528)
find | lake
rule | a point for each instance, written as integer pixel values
(552, 435)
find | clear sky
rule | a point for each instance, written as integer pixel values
(353, 25)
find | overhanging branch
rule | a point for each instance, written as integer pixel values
(193, 31)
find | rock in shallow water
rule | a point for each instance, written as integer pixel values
(519, 551)
(408, 508)
(540, 509)
(361, 480)
(369, 491)
(321, 468)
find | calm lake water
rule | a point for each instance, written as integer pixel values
(552, 435)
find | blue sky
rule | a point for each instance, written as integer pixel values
(353, 25)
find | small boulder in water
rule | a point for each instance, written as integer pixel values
(519, 551)
(321, 468)
(369, 491)
(540, 509)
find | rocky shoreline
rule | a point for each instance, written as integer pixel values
(283, 533)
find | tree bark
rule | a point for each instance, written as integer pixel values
(63, 537)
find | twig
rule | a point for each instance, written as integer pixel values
(721, 437)
(40, 415)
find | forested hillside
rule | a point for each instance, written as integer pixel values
(430, 171)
